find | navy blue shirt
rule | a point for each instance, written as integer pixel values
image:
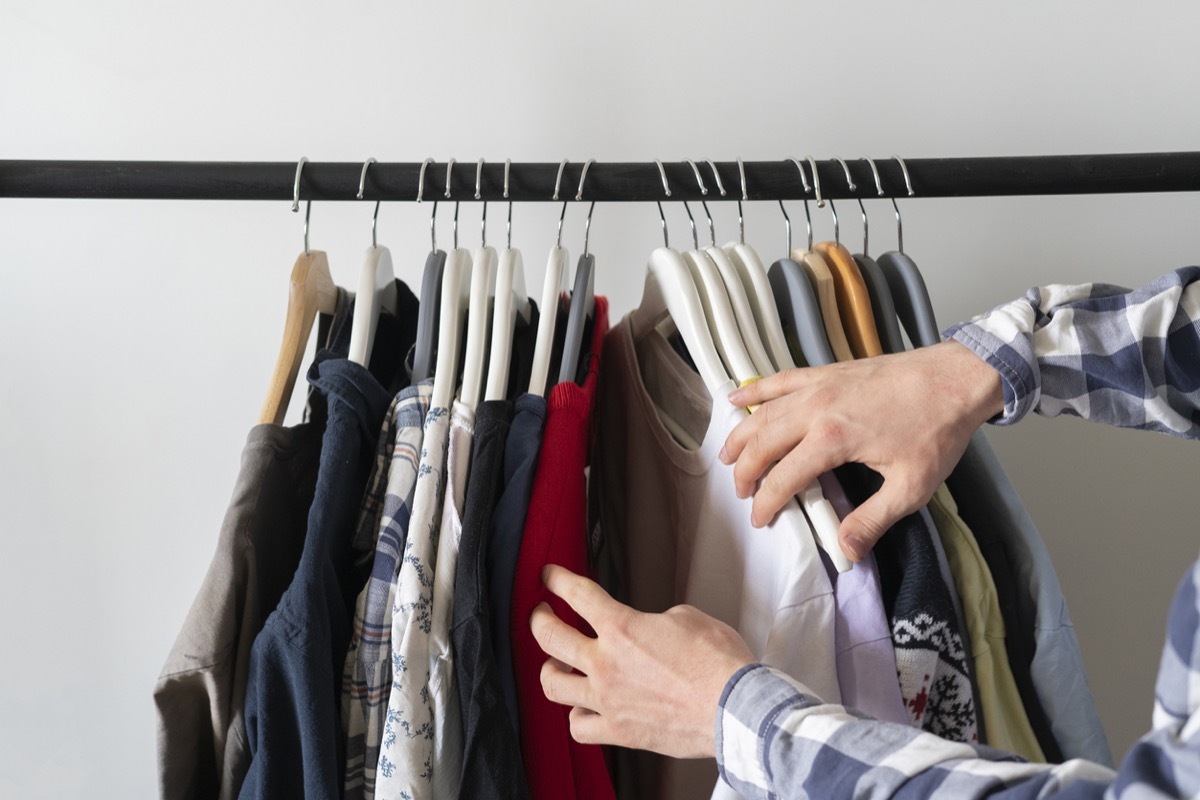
(507, 528)
(292, 717)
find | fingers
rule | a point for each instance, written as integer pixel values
(762, 439)
(792, 475)
(859, 531)
(588, 727)
(563, 686)
(767, 388)
(585, 596)
(559, 640)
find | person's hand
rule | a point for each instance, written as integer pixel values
(908, 416)
(649, 681)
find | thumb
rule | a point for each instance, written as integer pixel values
(863, 527)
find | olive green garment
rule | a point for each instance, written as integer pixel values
(1005, 724)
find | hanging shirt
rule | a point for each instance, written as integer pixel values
(440, 687)
(491, 763)
(866, 661)
(1006, 726)
(1006, 536)
(507, 530)
(676, 532)
(556, 766)
(406, 750)
(294, 689)
(931, 660)
(367, 675)
(199, 695)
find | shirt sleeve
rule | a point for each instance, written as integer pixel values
(1125, 357)
(774, 739)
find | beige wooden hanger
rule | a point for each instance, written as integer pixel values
(311, 290)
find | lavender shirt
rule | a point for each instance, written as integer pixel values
(866, 662)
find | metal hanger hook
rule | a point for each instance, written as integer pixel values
(807, 213)
(557, 186)
(296, 200)
(820, 200)
(507, 167)
(421, 199)
(667, 191)
(878, 193)
(587, 226)
(852, 187)
(483, 217)
(712, 231)
(449, 167)
(362, 185)
(721, 189)
(745, 196)
(908, 186)
(862, 209)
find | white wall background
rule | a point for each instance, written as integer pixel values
(138, 336)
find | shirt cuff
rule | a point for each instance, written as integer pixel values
(1002, 338)
(752, 700)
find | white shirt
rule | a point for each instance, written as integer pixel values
(680, 534)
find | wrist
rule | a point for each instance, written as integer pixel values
(977, 384)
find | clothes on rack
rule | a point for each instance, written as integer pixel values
(397, 659)
(770, 725)
(200, 693)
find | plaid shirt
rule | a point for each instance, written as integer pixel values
(367, 675)
(1128, 358)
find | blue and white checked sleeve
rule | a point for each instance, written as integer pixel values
(1105, 353)
(774, 739)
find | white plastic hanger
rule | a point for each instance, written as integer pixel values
(733, 287)
(511, 301)
(757, 284)
(718, 311)
(670, 292)
(479, 315)
(455, 295)
(310, 291)
(553, 286)
(376, 289)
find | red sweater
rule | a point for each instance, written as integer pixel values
(556, 766)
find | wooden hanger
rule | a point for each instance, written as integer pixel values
(853, 299)
(310, 291)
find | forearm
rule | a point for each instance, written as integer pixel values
(774, 739)
(1123, 357)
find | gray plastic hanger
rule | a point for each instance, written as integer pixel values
(797, 303)
(908, 287)
(882, 304)
(583, 297)
(425, 349)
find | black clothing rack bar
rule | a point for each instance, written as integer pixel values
(606, 181)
